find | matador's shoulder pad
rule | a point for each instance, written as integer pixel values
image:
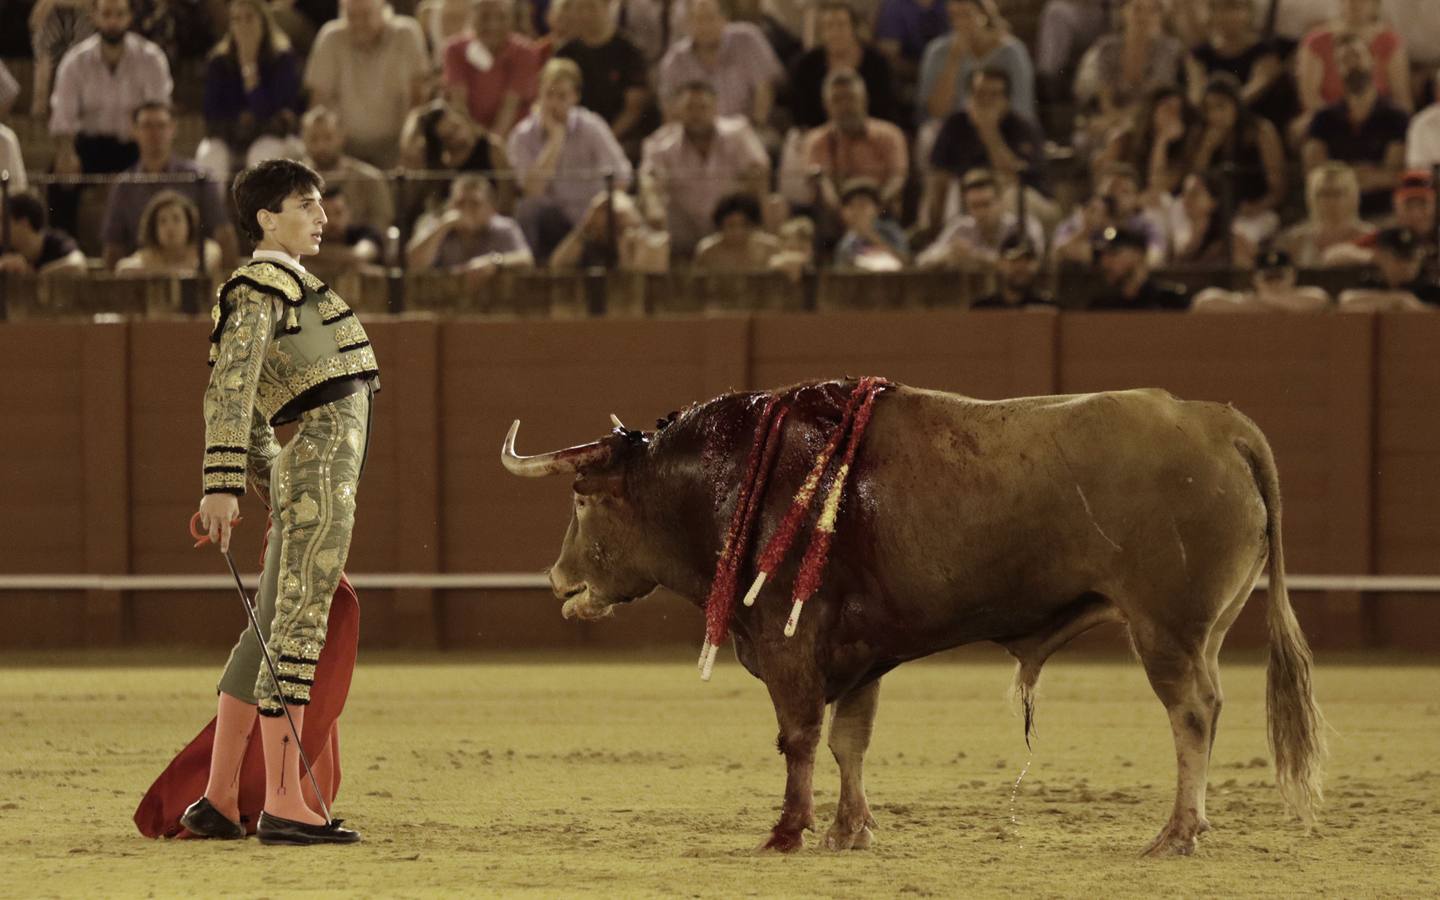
(269, 278)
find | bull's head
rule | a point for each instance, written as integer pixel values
(602, 560)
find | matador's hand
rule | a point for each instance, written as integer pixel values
(219, 513)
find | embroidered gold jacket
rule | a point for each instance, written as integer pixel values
(278, 335)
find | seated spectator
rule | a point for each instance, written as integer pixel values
(1115, 203)
(1123, 68)
(796, 255)
(614, 77)
(1363, 129)
(444, 21)
(440, 136)
(370, 66)
(55, 27)
(345, 244)
(690, 164)
(1121, 253)
(839, 47)
(974, 238)
(35, 249)
(155, 135)
(627, 244)
(1397, 284)
(733, 57)
(1232, 138)
(252, 92)
(168, 230)
(493, 72)
(1332, 233)
(904, 28)
(1321, 72)
(1234, 46)
(986, 134)
(559, 152)
(738, 244)
(98, 85)
(1273, 289)
(1419, 20)
(1415, 209)
(559, 30)
(870, 243)
(978, 39)
(853, 144)
(11, 159)
(367, 192)
(1198, 227)
(1017, 277)
(9, 90)
(1422, 140)
(1067, 28)
(470, 236)
(1157, 141)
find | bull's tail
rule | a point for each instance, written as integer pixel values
(1297, 737)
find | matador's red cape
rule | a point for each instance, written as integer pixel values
(184, 780)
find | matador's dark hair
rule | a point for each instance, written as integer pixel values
(266, 186)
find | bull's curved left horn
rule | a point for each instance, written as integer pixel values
(557, 462)
(615, 420)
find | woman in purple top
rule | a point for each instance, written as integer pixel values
(252, 85)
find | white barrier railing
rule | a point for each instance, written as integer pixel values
(493, 581)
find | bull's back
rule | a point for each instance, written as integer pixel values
(986, 517)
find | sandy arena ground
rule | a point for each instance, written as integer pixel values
(548, 778)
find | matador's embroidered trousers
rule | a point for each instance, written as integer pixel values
(312, 498)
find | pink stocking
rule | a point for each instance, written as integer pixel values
(284, 793)
(234, 720)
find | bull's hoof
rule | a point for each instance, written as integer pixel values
(785, 841)
(844, 837)
(1173, 840)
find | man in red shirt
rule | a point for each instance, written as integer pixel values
(493, 74)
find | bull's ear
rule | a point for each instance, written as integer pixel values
(600, 485)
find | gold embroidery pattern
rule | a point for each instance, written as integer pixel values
(221, 458)
(272, 395)
(230, 395)
(295, 670)
(349, 333)
(331, 307)
(271, 275)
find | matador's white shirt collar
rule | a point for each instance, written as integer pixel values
(280, 256)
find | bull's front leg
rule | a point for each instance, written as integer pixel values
(800, 710)
(850, 727)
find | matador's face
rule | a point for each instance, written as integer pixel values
(299, 224)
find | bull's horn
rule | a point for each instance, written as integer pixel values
(615, 420)
(557, 462)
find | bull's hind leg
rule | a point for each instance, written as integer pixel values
(1180, 675)
(850, 726)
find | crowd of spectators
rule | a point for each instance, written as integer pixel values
(1125, 141)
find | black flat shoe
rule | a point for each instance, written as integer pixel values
(204, 820)
(275, 830)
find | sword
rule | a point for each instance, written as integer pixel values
(202, 539)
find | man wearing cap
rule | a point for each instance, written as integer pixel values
(1128, 284)
(1274, 290)
(1415, 210)
(1397, 283)
(1017, 273)
(870, 243)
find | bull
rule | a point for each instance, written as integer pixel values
(1024, 522)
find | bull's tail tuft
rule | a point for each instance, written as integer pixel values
(1022, 689)
(1297, 738)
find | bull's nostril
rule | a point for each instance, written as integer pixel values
(573, 593)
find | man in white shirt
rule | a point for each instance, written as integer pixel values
(1422, 140)
(369, 65)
